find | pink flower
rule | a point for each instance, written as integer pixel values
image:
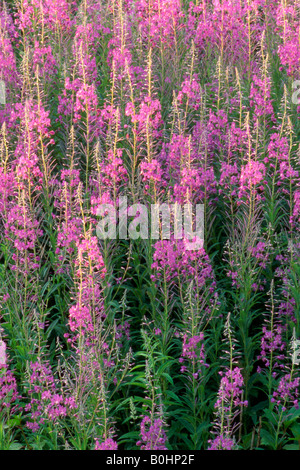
(108, 444)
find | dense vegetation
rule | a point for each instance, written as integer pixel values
(143, 343)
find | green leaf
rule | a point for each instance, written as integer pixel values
(15, 446)
(267, 438)
(292, 447)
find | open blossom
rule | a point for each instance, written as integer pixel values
(8, 389)
(153, 436)
(288, 27)
(8, 66)
(172, 259)
(189, 347)
(287, 392)
(86, 101)
(108, 444)
(193, 352)
(157, 19)
(45, 401)
(229, 178)
(190, 92)
(90, 271)
(80, 318)
(253, 173)
(272, 344)
(35, 127)
(194, 185)
(44, 61)
(88, 306)
(54, 14)
(222, 443)
(151, 170)
(260, 96)
(113, 172)
(252, 178)
(260, 253)
(231, 389)
(148, 116)
(89, 256)
(23, 231)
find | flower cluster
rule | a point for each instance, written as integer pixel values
(8, 390)
(153, 436)
(45, 401)
(230, 391)
(287, 392)
(108, 444)
(193, 352)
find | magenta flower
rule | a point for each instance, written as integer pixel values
(153, 436)
(108, 444)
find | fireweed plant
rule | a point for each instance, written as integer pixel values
(132, 344)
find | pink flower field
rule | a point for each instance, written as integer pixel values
(150, 225)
